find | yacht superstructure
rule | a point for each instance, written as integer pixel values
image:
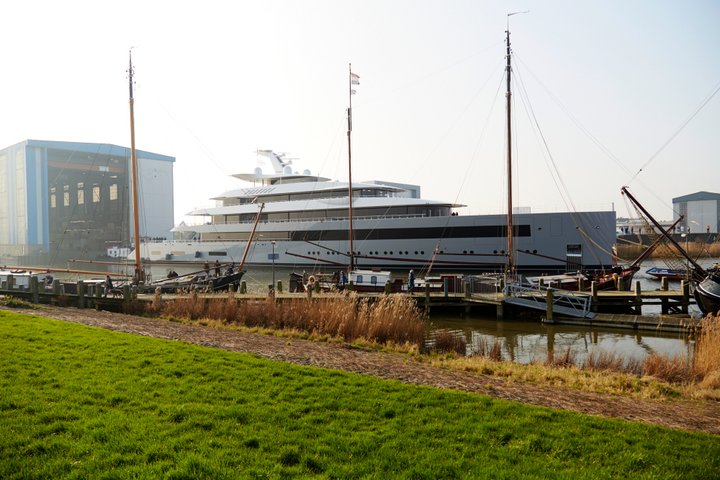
(304, 224)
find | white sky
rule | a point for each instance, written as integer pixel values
(216, 80)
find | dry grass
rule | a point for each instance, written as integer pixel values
(392, 319)
(694, 249)
(394, 322)
(445, 341)
(491, 350)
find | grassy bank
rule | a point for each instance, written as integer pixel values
(78, 402)
(396, 321)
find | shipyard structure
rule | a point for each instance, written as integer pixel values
(70, 200)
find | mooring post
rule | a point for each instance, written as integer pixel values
(279, 286)
(80, 294)
(243, 287)
(549, 299)
(34, 293)
(664, 284)
(621, 283)
(638, 298)
(685, 288)
(594, 296)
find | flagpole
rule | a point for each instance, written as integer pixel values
(350, 191)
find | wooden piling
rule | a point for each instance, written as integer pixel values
(34, 290)
(549, 300)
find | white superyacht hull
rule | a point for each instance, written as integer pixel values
(545, 242)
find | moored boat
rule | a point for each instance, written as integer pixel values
(669, 273)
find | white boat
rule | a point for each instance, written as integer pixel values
(305, 224)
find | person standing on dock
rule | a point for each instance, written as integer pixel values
(411, 281)
(108, 285)
(217, 268)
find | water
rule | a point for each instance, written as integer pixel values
(521, 340)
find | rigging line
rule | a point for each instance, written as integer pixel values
(179, 122)
(575, 120)
(453, 125)
(557, 177)
(677, 132)
(417, 79)
(585, 131)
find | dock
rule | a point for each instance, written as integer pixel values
(614, 309)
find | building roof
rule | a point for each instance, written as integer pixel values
(95, 148)
(696, 197)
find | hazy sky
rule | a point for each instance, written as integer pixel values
(608, 82)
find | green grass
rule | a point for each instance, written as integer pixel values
(81, 402)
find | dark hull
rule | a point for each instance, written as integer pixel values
(707, 294)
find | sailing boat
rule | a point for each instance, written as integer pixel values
(231, 277)
(361, 280)
(707, 282)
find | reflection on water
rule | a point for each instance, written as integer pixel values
(523, 341)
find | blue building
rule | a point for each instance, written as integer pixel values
(61, 200)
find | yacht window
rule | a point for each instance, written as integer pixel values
(373, 280)
(359, 279)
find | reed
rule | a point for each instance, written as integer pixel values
(706, 362)
(391, 319)
(601, 360)
(445, 341)
(566, 359)
(670, 369)
(694, 249)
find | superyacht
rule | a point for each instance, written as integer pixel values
(300, 220)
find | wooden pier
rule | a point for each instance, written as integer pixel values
(616, 309)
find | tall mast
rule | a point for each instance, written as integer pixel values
(133, 162)
(350, 190)
(508, 97)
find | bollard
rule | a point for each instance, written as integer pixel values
(243, 287)
(685, 288)
(549, 304)
(594, 296)
(664, 284)
(621, 283)
(309, 293)
(279, 286)
(34, 292)
(126, 296)
(80, 294)
(638, 298)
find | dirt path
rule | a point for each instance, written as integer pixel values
(687, 415)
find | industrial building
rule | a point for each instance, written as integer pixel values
(62, 200)
(701, 212)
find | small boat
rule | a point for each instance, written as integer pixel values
(374, 281)
(669, 273)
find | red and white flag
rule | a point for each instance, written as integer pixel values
(354, 79)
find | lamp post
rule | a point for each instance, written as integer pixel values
(273, 265)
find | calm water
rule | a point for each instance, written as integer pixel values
(525, 341)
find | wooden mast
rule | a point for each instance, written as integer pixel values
(508, 97)
(350, 190)
(133, 161)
